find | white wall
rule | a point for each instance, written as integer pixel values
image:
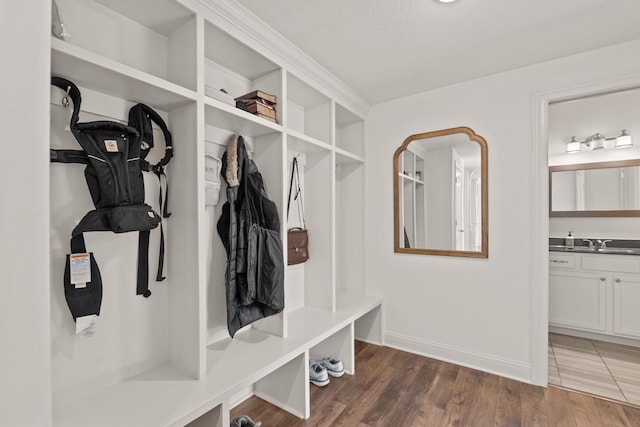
(24, 217)
(475, 312)
(607, 114)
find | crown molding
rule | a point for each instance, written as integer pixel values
(247, 27)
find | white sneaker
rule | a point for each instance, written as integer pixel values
(334, 367)
(317, 374)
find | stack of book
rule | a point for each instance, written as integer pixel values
(258, 103)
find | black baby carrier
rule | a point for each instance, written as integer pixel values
(114, 155)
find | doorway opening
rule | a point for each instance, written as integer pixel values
(593, 327)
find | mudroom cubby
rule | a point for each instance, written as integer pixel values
(310, 284)
(156, 38)
(309, 111)
(350, 214)
(349, 132)
(236, 69)
(339, 346)
(168, 360)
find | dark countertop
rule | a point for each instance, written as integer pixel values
(614, 247)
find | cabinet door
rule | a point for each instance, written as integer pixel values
(626, 304)
(578, 300)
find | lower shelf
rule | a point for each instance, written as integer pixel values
(166, 397)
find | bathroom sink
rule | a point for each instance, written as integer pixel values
(562, 248)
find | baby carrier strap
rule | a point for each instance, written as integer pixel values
(141, 117)
(111, 153)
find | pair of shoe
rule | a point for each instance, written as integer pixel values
(319, 370)
(245, 421)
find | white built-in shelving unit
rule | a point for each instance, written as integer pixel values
(168, 360)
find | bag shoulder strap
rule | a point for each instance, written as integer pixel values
(298, 196)
(140, 117)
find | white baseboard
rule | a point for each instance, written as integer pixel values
(482, 362)
(595, 336)
(369, 341)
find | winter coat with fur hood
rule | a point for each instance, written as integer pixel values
(250, 231)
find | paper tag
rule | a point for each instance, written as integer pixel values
(86, 325)
(80, 269)
(111, 145)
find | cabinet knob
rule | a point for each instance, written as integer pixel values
(617, 279)
(602, 279)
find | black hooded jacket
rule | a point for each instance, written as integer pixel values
(250, 231)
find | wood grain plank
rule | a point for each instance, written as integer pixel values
(560, 411)
(395, 388)
(464, 386)
(534, 408)
(508, 405)
(585, 410)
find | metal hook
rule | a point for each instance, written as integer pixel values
(65, 98)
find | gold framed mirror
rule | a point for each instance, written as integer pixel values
(440, 196)
(600, 189)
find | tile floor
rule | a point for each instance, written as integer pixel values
(600, 368)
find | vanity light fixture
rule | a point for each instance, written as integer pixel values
(598, 141)
(573, 146)
(446, 1)
(624, 140)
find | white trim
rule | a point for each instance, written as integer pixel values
(631, 342)
(539, 284)
(539, 278)
(459, 356)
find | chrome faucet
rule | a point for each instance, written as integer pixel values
(590, 242)
(603, 243)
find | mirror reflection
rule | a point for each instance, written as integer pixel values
(440, 194)
(595, 189)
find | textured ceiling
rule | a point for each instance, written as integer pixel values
(386, 49)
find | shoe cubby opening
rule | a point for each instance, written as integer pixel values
(153, 37)
(216, 417)
(338, 346)
(308, 110)
(133, 334)
(368, 327)
(287, 387)
(349, 131)
(233, 69)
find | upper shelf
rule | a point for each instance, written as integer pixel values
(90, 70)
(167, 15)
(160, 44)
(224, 116)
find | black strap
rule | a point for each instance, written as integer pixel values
(141, 117)
(298, 196)
(142, 287)
(68, 156)
(72, 92)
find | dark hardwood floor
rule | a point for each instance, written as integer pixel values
(395, 388)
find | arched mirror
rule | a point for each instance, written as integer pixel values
(440, 194)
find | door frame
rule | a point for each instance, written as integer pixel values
(539, 284)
